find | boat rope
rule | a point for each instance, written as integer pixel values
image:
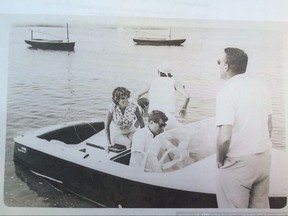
(56, 36)
(75, 129)
(92, 127)
(77, 133)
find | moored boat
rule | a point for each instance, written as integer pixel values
(51, 44)
(158, 42)
(74, 156)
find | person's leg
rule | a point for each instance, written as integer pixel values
(260, 189)
(259, 194)
(122, 139)
(230, 190)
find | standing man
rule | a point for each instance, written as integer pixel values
(162, 95)
(244, 121)
(142, 140)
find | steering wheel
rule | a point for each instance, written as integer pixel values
(175, 160)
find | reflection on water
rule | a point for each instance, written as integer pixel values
(49, 87)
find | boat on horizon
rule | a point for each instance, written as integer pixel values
(75, 157)
(159, 41)
(51, 44)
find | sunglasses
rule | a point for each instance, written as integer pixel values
(162, 125)
(123, 98)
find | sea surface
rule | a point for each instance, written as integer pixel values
(50, 87)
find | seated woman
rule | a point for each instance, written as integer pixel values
(124, 114)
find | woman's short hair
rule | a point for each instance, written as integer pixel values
(118, 93)
(236, 59)
(156, 115)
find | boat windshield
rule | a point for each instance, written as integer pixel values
(178, 148)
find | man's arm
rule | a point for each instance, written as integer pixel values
(136, 160)
(223, 143)
(144, 92)
(139, 118)
(181, 88)
(137, 150)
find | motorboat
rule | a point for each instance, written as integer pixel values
(75, 156)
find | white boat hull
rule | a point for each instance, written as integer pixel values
(86, 169)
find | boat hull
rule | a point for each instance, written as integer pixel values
(106, 189)
(73, 157)
(155, 42)
(51, 45)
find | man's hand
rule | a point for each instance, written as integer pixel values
(223, 143)
(220, 163)
(182, 112)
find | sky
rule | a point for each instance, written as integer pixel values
(256, 10)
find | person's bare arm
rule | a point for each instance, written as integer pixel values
(107, 129)
(143, 92)
(223, 143)
(139, 118)
(181, 89)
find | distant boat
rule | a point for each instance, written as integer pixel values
(51, 44)
(159, 41)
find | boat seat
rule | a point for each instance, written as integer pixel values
(98, 140)
(117, 148)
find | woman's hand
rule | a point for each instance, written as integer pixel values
(182, 112)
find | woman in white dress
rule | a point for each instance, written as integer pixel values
(125, 116)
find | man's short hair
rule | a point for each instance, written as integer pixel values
(156, 115)
(236, 59)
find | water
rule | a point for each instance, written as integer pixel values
(49, 87)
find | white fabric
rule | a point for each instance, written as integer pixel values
(124, 122)
(245, 103)
(162, 95)
(140, 144)
(244, 182)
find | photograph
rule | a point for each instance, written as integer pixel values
(143, 115)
